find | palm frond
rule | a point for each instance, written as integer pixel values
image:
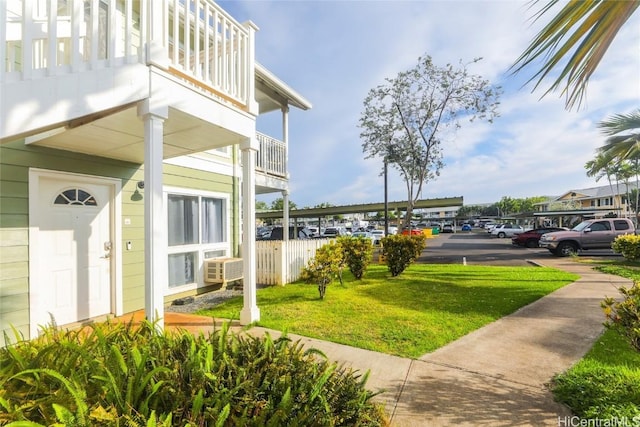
(623, 142)
(579, 34)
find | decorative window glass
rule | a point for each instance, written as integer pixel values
(75, 196)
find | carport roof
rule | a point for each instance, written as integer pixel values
(362, 208)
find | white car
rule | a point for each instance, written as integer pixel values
(364, 234)
(377, 236)
(506, 230)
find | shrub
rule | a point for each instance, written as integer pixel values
(401, 250)
(628, 245)
(324, 267)
(624, 316)
(116, 374)
(358, 252)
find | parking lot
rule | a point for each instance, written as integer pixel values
(478, 247)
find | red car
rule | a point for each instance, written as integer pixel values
(531, 238)
(414, 231)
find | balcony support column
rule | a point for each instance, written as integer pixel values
(250, 312)
(155, 224)
(285, 215)
(285, 138)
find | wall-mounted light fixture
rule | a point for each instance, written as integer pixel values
(140, 185)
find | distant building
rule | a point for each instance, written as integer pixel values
(594, 202)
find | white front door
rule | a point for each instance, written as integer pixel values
(72, 244)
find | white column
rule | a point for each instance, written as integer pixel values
(250, 312)
(285, 137)
(155, 223)
(285, 193)
(285, 215)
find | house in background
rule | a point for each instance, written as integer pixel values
(128, 155)
(595, 202)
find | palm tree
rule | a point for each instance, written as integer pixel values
(623, 142)
(599, 168)
(582, 29)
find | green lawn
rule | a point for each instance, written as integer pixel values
(605, 384)
(424, 308)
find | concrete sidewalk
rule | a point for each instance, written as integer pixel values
(494, 376)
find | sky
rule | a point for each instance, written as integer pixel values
(334, 52)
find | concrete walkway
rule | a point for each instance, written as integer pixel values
(495, 376)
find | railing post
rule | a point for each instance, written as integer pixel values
(250, 95)
(3, 42)
(27, 40)
(155, 49)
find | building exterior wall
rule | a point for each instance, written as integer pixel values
(15, 160)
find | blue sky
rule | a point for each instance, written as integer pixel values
(334, 52)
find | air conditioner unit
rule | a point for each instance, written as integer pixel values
(222, 270)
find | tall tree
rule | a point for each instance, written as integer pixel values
(578, 36)
(623, 142)
(261, 205)
(405, 120)
(278, 204)
(599, 167)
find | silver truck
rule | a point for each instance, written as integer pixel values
(589, 234)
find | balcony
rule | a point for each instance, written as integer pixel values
(75, 71)
(100, 46)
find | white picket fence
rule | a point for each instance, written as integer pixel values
(279, 262)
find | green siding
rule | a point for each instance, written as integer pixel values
(15, 160)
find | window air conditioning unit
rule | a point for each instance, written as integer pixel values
(222, 270)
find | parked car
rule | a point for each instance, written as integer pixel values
(531, 238)
(506, 230)
(447, 228)
(365, 235)
(332, 232)
(466, 227)
(490, 226)
(377, 236)
(276, 234)
(589, 234)
(411, 231)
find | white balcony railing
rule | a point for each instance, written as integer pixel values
(195, 39)
(272, 156)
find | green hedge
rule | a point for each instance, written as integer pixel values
(628, 246)
(123, 375)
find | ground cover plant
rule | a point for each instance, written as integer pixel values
(605, 384)
(123, 375)
(424, 308)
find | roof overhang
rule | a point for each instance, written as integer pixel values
(272, 93)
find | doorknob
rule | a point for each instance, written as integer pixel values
(107, 250)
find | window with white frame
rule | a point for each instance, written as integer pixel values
(197, 230)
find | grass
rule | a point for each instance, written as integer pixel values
(605, 384)
(424, 308)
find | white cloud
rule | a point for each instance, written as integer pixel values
(333, 52)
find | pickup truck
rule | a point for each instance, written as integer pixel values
(589, 234)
